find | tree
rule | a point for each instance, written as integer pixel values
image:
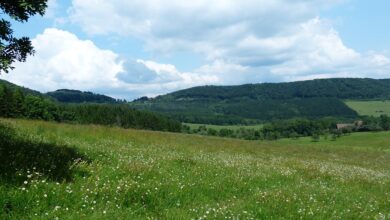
(385, 122)
(18, 104)
(11, 48)
(6, 104)
(315, 137)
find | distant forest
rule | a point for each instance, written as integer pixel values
(16, 102)
(75, 96)
(259, 103)
(282, 118)
(296, 128)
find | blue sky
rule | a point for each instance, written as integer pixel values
(129, 49)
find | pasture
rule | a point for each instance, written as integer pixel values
(115, 173)
(370, 108)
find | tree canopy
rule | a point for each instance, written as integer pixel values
(12, 48)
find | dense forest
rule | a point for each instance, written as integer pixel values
(76, 96)
(343, 88)
(18, 103)
(258, 103)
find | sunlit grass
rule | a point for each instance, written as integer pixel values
(370, 108)
(132, 174)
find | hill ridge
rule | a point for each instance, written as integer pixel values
(266, 101)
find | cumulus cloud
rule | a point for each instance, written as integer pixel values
(62, 60)
(266, 40)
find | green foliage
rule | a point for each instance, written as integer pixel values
(75, 96)
(257, 103)
(294, 129)
(376, 123)
(25, 91)
(16, 49)
(315, 137)
(348, 88)
(119, 115)
(13, 103)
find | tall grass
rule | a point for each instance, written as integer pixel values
(132, 174)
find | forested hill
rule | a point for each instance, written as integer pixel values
(64, 95)
(75, 96)
(25, 91)
(19, 102)
(343, 88)
(267, 101)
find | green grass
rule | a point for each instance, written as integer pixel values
(219, 127)
(370, 108)
(133, 174)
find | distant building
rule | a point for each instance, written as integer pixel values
(355, 125)
(344, 126)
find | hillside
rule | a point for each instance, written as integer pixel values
(64, 95)
(19, 102)
(268, 101)
(370, 108)
(92, 172)
(25, 91)
(76, 96)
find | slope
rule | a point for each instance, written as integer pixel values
(132, 174)
(268, 101)
(76, 96)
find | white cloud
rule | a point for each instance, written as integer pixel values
(62, 60)
(270, 40)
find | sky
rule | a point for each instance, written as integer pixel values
(129, 49)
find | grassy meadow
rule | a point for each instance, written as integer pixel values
(370, 108)
(112, 173)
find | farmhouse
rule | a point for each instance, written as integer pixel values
(356, 124)
(344, 126)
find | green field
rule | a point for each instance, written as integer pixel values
(370, 108)
(219, 127)
(133, 174)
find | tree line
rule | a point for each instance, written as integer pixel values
(15, 104)
(295, 128)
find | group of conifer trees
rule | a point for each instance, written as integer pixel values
(15, 104)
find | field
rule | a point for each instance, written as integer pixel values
(132, 174)
(370, 108)
(219, 127)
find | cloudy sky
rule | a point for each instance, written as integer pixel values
(128, 49)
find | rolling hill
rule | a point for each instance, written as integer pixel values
(25, 91)
(65, 95)
(267, 101)
(76, 96)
